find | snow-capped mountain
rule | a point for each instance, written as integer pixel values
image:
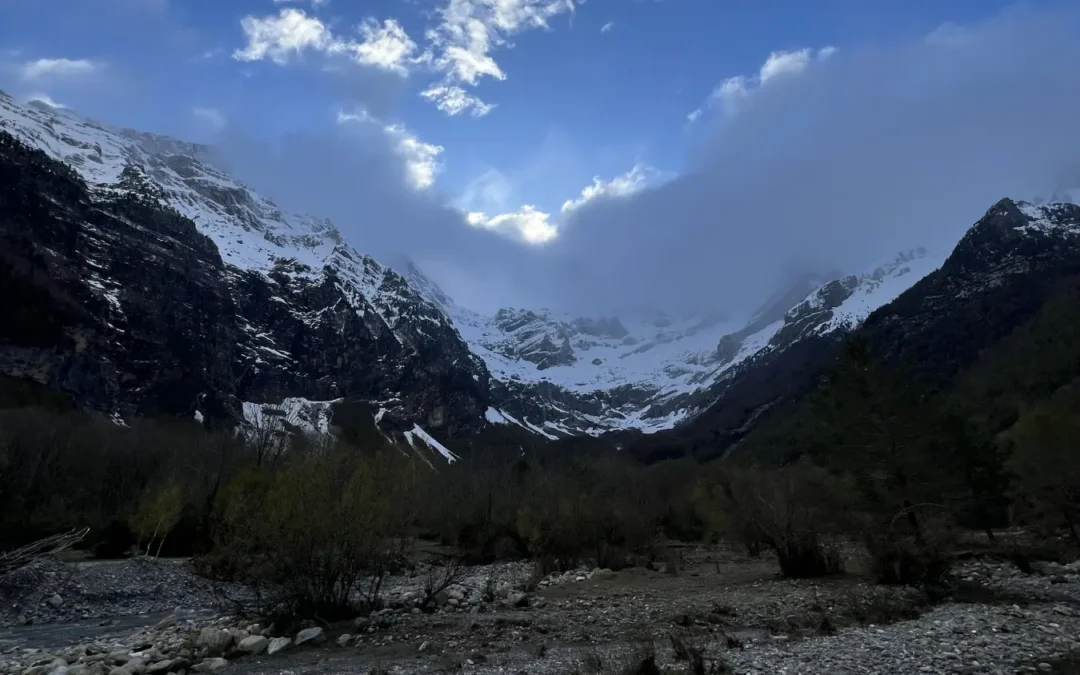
(202, 297)
(559, 375)
(143, 279)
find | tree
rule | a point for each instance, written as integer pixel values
(1046, 486)
(158, 513)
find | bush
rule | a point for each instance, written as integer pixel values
(794, 511)
(910, 551)
(314, 535)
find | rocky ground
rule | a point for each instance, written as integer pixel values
(493, 620)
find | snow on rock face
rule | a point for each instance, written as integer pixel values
(559, 375)
(299, 313)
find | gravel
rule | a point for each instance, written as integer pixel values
(50, 591)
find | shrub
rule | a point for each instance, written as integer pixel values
(905, 553)
(794, 511)
(313, 535)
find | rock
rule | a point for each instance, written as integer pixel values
(59, 670)
(1045, 668)
(424, 646)
(253, 644)
(167, 622)
(56, 601)
(210, 665)
(216, 641)
(517, 599)
(161, 667)
(313, 635)
(344, 640)
(278, 644)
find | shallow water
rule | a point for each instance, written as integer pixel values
(51, 635)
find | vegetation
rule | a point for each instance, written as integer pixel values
(875, 456)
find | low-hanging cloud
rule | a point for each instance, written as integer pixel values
(836, 165)
(841, 164)
(359, 177)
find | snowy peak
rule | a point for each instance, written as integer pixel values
(299, 314)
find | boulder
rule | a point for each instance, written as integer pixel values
(313, 635)
(210, 665)
(253, 644)
(344, 640)
(216, 641)
(278, 644)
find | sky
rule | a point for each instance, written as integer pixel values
(591, 156)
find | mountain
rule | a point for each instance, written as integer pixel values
(143, 280)
(1012, 261)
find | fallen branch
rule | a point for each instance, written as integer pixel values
(42, 548)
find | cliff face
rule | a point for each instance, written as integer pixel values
(119, 300)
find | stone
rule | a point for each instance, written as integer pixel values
(167, 622)
(517, 599)
(253, 644)
(278, 644)
(313, 635)
(210, 665)
(424, 646)
(56, 601)
(344, 640)
(161, 667)
(216, 641)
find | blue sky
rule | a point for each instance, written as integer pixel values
(556, 93)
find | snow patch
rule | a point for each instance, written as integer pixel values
(310, 417)
(430, 442)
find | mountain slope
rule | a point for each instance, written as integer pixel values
(560, 375)
(1000, 274)
(173, 289)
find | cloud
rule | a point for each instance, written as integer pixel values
(292, 32)
(421, 159)
(621, 186)
(282, 37)
(386, 46)
(607, 27)
(42, 97)
(453, 100)
(58, 68)
(210, 117)
(528, 224)
(469, 31)
(732, 90)
(841, 164)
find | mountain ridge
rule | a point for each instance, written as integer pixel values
(306, 320)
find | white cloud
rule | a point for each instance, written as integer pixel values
(421, 159)
(779, 64)
(292, 32)
(453, 100)
(281, 37)
(470, 30)
(621, 186)
(607, 27)
(42, 68)
(387, 46)
(211, 117)
(41, 97)
(527, 224)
